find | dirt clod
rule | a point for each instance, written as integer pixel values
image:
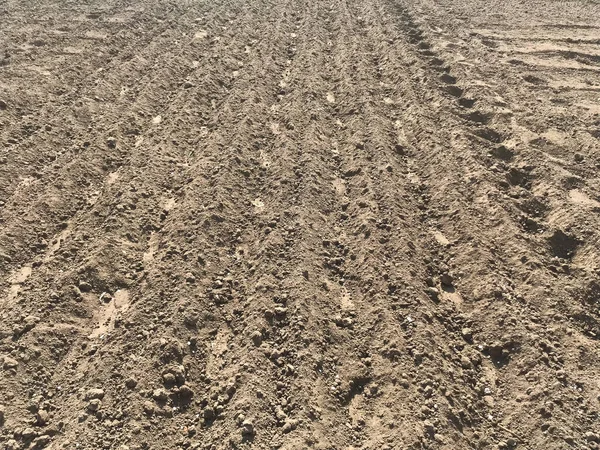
(160, 395)
(467, 334)
(248, 428)
(447, 279)
(84, 286)
(95, 393)
(9, 363)
(94, 405)
(42, 417)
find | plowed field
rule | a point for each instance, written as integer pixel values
(300, 224)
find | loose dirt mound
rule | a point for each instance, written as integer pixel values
(276, 224)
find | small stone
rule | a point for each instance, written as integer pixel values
(94, 405)
(11, 445)
(2, 415)
(3, 105)
(131, 383)
(188, 85)
(94, 394)
(247, 428)
(111, 142)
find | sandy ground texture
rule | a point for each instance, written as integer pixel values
(281, 224)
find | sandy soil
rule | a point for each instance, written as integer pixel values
(300, 224)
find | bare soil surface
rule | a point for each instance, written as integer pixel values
(299, 224)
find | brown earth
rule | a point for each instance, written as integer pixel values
(300, 224)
